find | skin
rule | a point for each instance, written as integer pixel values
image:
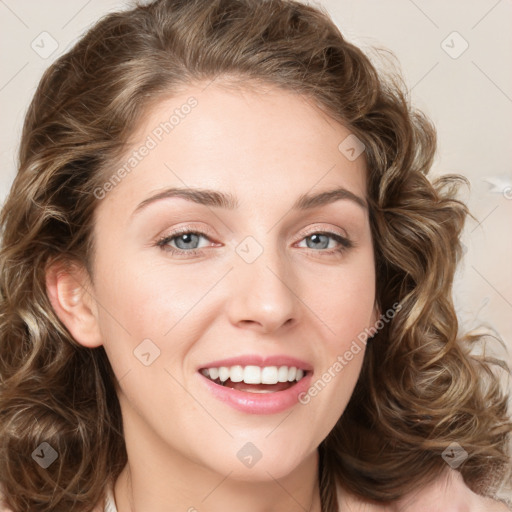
(266, 148)
(447, 493)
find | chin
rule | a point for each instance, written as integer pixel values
(264, 459)
(261, 472)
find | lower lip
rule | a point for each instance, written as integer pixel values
(259, 403)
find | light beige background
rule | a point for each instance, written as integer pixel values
(468, 96)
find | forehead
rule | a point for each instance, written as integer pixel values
(251, 142)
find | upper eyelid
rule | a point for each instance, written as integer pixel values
(206, 232)
(332, 231)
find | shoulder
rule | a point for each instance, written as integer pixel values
(447, 493)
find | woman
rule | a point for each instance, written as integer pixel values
(226, 280)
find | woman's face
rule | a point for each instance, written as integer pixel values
(273, 279)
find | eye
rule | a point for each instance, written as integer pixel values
(185, 241)
(320, 240)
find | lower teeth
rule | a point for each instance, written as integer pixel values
(254, 390)
(260, 391)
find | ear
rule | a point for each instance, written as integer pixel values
(70, 292)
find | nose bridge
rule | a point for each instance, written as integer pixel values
(263, 289)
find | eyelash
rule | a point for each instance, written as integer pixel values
(345, 243)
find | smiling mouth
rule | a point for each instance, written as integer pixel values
(255, 379)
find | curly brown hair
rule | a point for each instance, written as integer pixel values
(420, 388)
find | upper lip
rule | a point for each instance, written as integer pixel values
(259, 360)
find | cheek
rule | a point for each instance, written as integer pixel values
(343, 301)
(147, 332)
(146, 300)
(130, 313)
(345, 305)
(150, 308)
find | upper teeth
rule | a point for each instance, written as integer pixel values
(255, 374)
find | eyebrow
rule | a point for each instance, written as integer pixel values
(229, 201)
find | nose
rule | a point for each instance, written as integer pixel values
(264, 294)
